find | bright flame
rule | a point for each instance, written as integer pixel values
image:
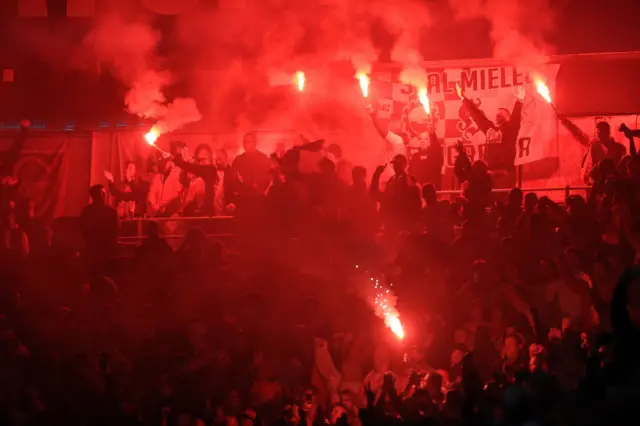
(364, 83)
(300, 79)
(385, 303)
(543, 90)
(423, 96)
(393, 322)
(151, 136)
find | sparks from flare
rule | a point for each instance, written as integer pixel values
(364, 83)
(423, 96)
(300, 80)
(384, 302)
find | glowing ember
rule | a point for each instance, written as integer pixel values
(543, 90)
(423, 96)
(300, 80)
(364, 83)
(151, 136)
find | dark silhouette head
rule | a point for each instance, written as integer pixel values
(603, 131)
(515, 197)
(399, 163)
(203, 154)
(359, 175)
(530, 201)
(97, 194)
(502, 116)
(250, 142)
(429, 193)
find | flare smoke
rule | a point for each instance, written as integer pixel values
(268, 41)
(519, 29)
(129, 48)
(234, 55)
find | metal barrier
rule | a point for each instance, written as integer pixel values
(567, 190)
(226, 220)
(141, 221)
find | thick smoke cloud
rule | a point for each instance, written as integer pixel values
(250, 50)
(519, 29)
(234, 57)
(130, 49)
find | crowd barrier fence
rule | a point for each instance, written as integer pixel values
(221, 226)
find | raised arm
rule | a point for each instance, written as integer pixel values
(575, 131)
(630, 134)
(516, 117)
(436, 147)
(121, 195)
(374, 188)
(207, 171)
(476, 113)
(462, 164)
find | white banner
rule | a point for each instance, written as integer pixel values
(491, 89)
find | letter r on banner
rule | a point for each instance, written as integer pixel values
(524, 147)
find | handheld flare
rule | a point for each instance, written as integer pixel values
(423, 96)
(151, 136)
(384, 304)
(545, 93)
(300, 80)
(364, 81)
(543, 90)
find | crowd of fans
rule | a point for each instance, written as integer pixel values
(516, 311)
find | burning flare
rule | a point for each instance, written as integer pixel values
(300, 80)
(385, 308)
(151, 136)
(423, 96)
(543, 90)
(364, 83)
(394, 324)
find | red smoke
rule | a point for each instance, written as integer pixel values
(233, 56)
(249, 50)
(130, 49)
(519, 29)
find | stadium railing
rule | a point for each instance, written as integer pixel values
(221, 226)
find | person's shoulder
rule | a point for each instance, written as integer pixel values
(86, 210)
(238, 158)
(107, 209)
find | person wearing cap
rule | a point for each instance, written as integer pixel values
(400, 202)
(601, 147)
